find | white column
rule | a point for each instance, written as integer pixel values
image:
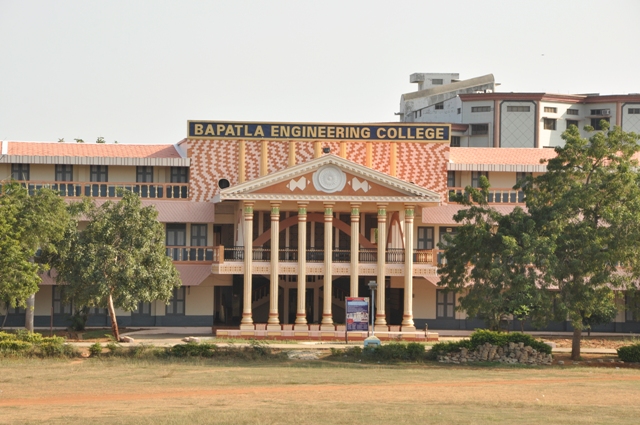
(301, 313)
(382, 257)
(247, 319)
(327, 319)
(355, 248)
(274, 321)
(407, 317)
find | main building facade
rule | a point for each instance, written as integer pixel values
(273, 225)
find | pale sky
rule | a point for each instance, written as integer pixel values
(135, 71)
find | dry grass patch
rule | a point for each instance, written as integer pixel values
(126, 391)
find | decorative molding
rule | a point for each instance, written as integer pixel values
(329, 179)
(322, 198)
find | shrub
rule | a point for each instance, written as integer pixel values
(500, 339)
(260, 348)
(32, 337)
(193, 349)
(95, 349)
(14, 346)
(629, 353)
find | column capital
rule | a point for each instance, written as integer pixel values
(302, 211)
(328, 210)
(382, 209)
(275, 211)
(409, 211)
(248, 210)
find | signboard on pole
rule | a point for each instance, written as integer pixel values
(357, 310)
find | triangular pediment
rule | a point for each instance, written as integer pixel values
(329, 177)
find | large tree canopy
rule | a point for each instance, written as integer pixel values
(119, 259)
(28, 223)
(493, 261)
(577, 241)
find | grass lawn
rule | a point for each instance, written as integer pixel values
(178, 391)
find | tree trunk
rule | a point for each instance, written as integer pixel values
(28, 320)
(114, 321)
(575, 343)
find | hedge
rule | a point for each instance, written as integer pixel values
(481, 337)
(629, 353)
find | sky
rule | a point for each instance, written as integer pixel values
(136, 71)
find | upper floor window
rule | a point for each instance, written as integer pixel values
(572, 112)
(20, 171)
(601, 112)
(634, 110)
(440, 105)
(144, 174)
(518, 108)
(451, 179)
(99, 173)
(64, 173)
(475, 177)
(549, 123)
(595, 123)
(198, 235)
(481, 109)
(437, 81)
(551, 109)
(176, 234)
(425, 237)
(573, 122)
(455, 141)
(479, 129)
(179, 175)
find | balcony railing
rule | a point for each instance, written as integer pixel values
(495, 195)
(221, 254)
(201, 254)
(110, 190)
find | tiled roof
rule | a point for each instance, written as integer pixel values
(91, 150)
(179, 211)
(192, 275)
(444, 214)
(500, 156)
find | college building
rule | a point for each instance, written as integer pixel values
(272, 225)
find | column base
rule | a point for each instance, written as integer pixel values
(409, 328)
(273, 327)
(247, 327)
(300, 327)
(327, 327)
(273, 319)
(381, 320)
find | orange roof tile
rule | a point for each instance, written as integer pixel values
(91, 150)
(506, 156)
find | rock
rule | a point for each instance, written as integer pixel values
(621, 361)
(560, 362)
(600, 361)
(127, 339)
(192, 339)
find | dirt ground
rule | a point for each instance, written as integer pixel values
(594, 342)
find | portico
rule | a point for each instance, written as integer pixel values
(329, 221)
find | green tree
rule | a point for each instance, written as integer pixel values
(490, 261)
(119, 259)
(28, 223)
(588, 204)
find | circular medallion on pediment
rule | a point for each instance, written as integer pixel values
(329, 179)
